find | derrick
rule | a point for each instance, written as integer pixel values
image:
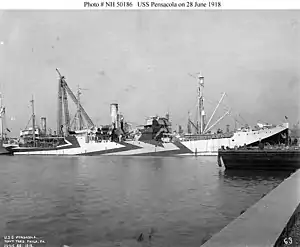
(64, 125)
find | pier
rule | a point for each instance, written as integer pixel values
(272, 221)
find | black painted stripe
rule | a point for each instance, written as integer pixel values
(182, 150)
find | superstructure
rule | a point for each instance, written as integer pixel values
(80, 136)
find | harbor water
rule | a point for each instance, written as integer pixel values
(110, 201)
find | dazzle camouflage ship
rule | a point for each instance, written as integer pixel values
(80, 136)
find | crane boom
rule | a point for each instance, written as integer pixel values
(67, 115)
(59, 108)
(228, 112)
(212, 115)
(63, 90)
(73, 97)
(193, 125)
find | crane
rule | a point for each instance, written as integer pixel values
(63, 90)
(77, 121)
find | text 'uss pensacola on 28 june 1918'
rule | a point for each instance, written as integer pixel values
(153, 4)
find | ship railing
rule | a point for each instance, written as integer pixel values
(207, 136)
(267, 146)
(40, 141)
(99, 139)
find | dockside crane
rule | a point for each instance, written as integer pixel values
(63, 90)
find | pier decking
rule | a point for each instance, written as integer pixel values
(269, 222)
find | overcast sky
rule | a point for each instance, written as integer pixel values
(141, 60)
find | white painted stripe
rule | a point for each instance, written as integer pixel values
(146, 148)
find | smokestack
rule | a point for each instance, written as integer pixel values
(180, 129)
(114, 113)
(43, 126)
(227, 128)
(168, 116)
(121, 122)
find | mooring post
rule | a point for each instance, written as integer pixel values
(219, 161)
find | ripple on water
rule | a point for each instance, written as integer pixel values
(109, 201)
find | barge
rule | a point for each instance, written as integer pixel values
(260, 158)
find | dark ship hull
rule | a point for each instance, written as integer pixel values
(265, 159)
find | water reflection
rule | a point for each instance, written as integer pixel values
(255, 175)
(96, 201)
(157, 163)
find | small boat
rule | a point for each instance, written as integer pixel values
(3, 138)
(3, 151)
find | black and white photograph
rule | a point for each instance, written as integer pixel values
(149, 127)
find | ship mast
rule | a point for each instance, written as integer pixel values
(33, 121)
(200, 102)
(203, 128)
(60, 107)
(78, 118)
(78, 109)
(200, 106)
(189, 131)
(1, 116)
